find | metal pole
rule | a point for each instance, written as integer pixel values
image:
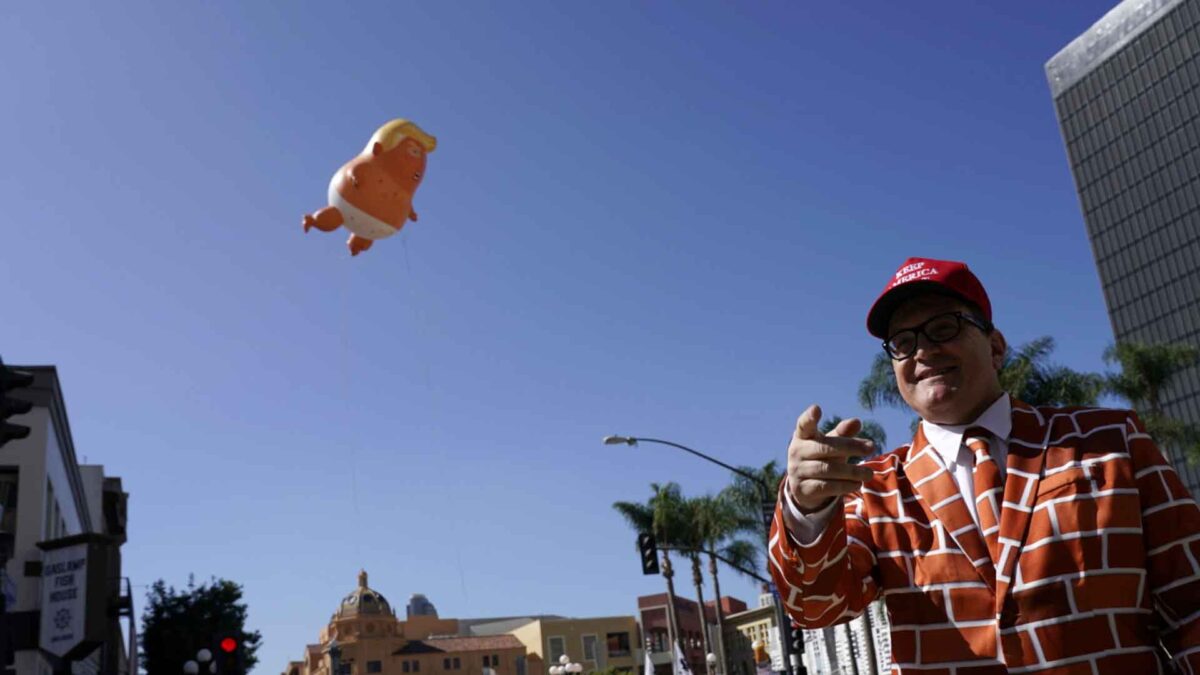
(781, 619)
(768, 513)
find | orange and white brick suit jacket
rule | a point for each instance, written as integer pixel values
(1099, 570)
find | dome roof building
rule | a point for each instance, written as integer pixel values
(365, 635)
(364, 601)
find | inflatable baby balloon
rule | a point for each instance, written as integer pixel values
(372, 194)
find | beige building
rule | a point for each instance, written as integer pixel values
(595, 643)
(741, 631)
(365, 636)
(62, 526)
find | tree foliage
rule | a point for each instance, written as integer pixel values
(871, 431)
(747, 497)
(663, 515)
(1145, 371)
(708, 523)
(177, 624)
(718, 522)
(1028, 376)
(1026, 373)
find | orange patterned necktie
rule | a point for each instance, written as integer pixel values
(989, 491)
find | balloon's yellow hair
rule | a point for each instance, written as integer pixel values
(390, 135)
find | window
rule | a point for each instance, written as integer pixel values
(589, 647)
(495, 660)
(404, 667)
(416, 666)
(487, 661)
(377, 666)
(445, 664)
(618, 644)
(521, 665)
(558, 647)
(457, 664)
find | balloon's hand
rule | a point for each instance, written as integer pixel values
(818, 465)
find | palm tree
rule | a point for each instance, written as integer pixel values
(717, 524)
(878, 388)
(665, 516)
(1146, 370)
(688, 536)
(746, 497)
(870, 430)
(1025, 373)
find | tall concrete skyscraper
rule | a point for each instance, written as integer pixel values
(1127, 94)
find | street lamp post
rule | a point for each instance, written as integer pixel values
(197, 666)
(767, 504)
(711, 660)
(566, 667)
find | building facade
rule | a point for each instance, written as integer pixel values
(1126, 97)
(652, 615)
(862, 646)
(365, 636)
(599, 643)
(66, 607)
(742, 630)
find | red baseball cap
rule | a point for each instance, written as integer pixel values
(926, 275)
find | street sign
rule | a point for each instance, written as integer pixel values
(64, 598)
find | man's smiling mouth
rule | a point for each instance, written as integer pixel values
(934, 372)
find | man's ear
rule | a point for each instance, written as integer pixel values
(999, 348)
(377, 149)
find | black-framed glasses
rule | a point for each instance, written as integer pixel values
(937, 329)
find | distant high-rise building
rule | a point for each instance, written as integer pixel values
(1127, 94)
(419, 605)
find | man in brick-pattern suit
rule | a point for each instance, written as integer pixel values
(1004, 538)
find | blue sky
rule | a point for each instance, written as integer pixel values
(659, 219)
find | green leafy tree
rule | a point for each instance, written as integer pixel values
(1145, 371)
(177, 624)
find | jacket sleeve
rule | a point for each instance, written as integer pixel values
(1171, 529)
(832, 579)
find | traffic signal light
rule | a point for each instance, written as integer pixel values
(10, 381)
(796, 638)
(230, 655)
(649, 550)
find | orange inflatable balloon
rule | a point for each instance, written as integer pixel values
(372, 194)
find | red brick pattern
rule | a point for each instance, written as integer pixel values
(989, 490)
(1098, 563)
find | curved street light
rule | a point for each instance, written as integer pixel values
(768, 514)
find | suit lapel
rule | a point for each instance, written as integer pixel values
(942, 500)
(1026, 455)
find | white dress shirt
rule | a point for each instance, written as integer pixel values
(947, 440)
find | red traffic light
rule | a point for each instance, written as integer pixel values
(228, 645)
